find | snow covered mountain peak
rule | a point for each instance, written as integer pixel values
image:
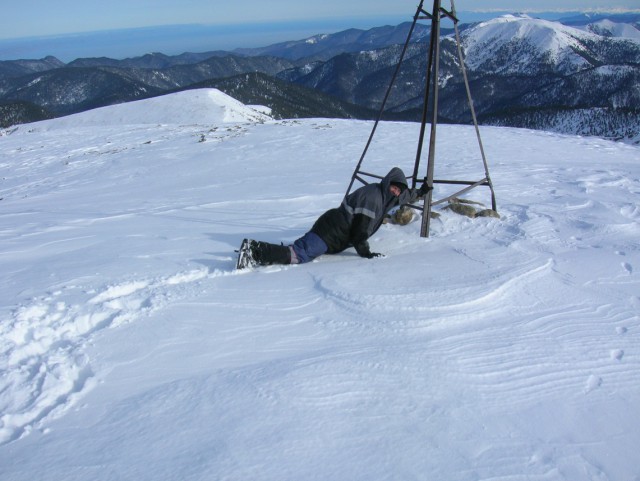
(609, 28)
(539, 42)
(523, 25)
(202, 106)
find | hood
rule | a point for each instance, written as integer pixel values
(394, 175)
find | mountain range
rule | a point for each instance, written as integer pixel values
(578, 77)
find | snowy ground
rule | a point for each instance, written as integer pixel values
(130, 349)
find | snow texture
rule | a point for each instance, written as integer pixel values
(130, 348)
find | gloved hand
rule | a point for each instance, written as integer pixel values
(371, 255)
(424, 188)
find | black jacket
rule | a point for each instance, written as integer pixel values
(360, 215)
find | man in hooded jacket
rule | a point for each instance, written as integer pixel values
(350, 225)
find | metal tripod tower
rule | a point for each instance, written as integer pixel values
(431, 97)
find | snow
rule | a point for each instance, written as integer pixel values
(614, 29)
(131, 349)
(545, 37)
(207, 106)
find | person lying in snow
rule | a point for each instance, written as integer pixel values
(350, 225)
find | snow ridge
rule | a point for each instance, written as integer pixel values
(542, 40)
(613, 29)
(191, 107)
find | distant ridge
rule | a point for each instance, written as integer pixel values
(523, 70)
(201, 106)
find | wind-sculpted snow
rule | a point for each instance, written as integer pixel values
(130, 348)
(43, 343)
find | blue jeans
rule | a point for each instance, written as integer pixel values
(307, 248)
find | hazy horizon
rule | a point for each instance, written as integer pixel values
(177, 39)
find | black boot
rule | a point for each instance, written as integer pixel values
(256, 253)
(265, 254)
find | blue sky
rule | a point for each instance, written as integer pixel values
(225, 24)
(46, 17)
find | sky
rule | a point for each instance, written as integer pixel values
(44, 17)
(250, 23)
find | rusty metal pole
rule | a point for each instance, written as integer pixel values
(432, 77)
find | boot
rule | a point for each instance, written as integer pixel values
(265, 254)
(256, 253)
(244, 255)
